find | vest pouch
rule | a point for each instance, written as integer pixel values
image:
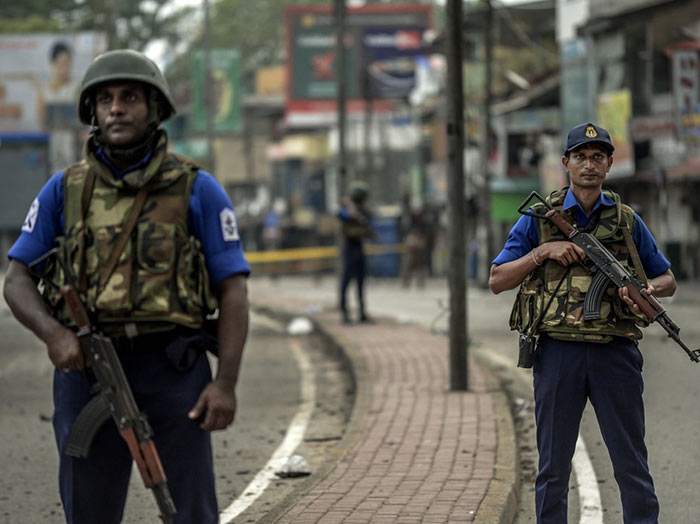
(553, 274)
(578, 284)
(116, 296)
(193, 286)
(155, 262)
(527, 307)
(53, 272)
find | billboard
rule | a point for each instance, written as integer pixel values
(225, 91)
(40, 77)
(382, 43)
(615, 114)
(686, 91)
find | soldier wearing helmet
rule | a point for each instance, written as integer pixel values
(182, 261)
(355, 217)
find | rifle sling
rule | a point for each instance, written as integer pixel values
(123, 236)
(634, 254)
(85, 198)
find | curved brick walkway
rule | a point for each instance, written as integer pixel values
(417, 453)
(425, 454)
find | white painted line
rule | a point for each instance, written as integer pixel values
(587, 486)
(294, 436)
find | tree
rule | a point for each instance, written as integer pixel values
(127, 23)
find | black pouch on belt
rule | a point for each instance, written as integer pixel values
(184, 350)
(526, 350)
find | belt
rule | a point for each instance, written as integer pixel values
(150, 341)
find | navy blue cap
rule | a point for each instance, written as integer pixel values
(588, 133)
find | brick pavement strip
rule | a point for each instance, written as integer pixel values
(419, 452)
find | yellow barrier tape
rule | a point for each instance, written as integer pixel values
(311, 253)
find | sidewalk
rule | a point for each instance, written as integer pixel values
(416, 452)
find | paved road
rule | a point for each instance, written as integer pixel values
(672, 385)
(269, 397)
(28, 493)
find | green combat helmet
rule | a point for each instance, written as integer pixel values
(359, 192)
(123, 64)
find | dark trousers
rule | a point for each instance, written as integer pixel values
(353, 268)
(566, 375)
(93, 490)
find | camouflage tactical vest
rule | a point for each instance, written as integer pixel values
(563, 319)
(160, 277)
(355, 230)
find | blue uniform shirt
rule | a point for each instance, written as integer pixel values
(211, 219)
(524, 237)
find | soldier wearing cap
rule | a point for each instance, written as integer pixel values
(355, 218)
(577, 360)
(182, 261)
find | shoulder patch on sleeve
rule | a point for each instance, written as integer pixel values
(32, 215)
(229, 226)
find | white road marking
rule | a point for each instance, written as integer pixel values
(587, 486)
(294, 436)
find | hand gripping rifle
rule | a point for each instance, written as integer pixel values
(606, 270)
(114, 399)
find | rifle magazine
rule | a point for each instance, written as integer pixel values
(90, 419)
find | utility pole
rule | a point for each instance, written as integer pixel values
(340, 177)
(455, 204)
(211, 159)
(339, 13)
(367, 124)
(110, 12)
(486, 139)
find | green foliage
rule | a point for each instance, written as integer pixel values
(29, 24)
(30, 16)
(254, 28)
(127, 23)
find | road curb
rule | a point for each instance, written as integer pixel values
(361, 397)
(500, 504)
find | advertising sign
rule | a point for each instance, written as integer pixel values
(686, 85)
(225, 91)
(40, 76)
(382, 43)
(614, 114)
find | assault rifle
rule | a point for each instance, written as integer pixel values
(114, 399)
(606, 270)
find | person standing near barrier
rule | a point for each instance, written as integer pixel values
(577, 360)
(179, 259)
(413, 260)
(355, 218)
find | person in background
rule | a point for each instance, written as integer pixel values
(58, 101)
(355, 217)
(414, 260)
